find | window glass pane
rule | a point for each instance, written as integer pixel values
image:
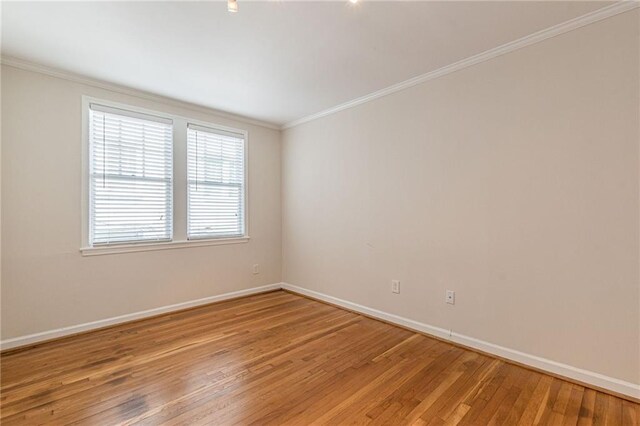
(130, 177)
(215, 174)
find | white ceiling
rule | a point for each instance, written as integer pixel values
(275, 61)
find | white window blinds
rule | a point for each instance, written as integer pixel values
(131, 168)
(215, 174)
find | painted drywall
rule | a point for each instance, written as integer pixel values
(46, 282)
(514, 182)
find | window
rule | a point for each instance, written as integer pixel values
(154, 181)
(130, 177)
(215, 188)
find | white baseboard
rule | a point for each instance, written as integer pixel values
(65, 331)
(578, 374)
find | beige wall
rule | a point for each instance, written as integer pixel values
(513, 182)
(46, 282)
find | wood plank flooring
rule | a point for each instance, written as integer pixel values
(278, 358)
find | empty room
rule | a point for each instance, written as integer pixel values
(320, 212)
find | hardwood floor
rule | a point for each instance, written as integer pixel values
(278, 358)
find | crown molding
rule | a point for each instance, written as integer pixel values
(66, 75)
(573, 24)
(564, 27)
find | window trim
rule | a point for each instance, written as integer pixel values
(179, 189)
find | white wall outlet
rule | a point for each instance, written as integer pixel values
(395, 286)
(450, 297)
(256, 269)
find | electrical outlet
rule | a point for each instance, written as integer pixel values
(450, 297)
(395, 286)
(256, 269)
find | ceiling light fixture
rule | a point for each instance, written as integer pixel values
(353, 1)
(232, 6)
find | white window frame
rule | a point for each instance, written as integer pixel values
(204, 128)
(180, 192)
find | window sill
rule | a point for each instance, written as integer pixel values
(132, 248)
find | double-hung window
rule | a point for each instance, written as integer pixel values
(137, 181)
(215, 175)
(131, 177)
